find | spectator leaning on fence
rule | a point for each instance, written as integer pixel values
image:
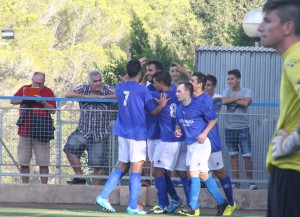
(280, 30)
(35, 127)
(237, 133)
(94, 127)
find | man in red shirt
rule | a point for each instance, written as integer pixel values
(33, 134)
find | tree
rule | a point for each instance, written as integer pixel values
(222, 20)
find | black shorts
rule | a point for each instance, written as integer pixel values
(284, 193)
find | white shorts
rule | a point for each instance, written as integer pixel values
(180, 164)
(131, 150)
(151, 145)
(198, 155)
(215, 161)
(166, 155)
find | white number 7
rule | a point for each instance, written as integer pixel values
(126, 97)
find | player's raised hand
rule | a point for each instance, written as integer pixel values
(285, 143)
(143, 60)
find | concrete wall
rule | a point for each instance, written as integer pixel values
(85, 194)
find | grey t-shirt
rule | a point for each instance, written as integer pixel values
(238, 119)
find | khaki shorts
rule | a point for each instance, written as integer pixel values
(41, 151)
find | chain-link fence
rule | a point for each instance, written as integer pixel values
(65, 120)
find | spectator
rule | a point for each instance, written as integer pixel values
(237, 133)
(280, 29)
(94, 127)
(35, 127)
(210, 87)
(176, 70)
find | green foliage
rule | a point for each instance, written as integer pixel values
(68, 38)
(222, 20)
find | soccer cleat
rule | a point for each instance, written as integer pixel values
(136, 211)
(221, 208)
(104, 204)
(229, 210)
(189, 211)
(157, 210)
(174, 205)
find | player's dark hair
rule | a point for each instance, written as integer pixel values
(286, 11)
(234, 72)
(211, 78)
(187, 86)
(158, 64)
(173, 65)
(164, 77)
(133, 67)
(201, 78)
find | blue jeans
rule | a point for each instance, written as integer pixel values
(237, 139)
(97, 151)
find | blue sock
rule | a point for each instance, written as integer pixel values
(212, 187)
(111, 183)
(170, 187)
(195, 191)
(134, 188)
(189, 182)
(186, 183)
(161, 190)
(226, 185)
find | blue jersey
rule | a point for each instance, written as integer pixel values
(213, 135)
(193, 119)
(152, 121)
(134, 101)
(167, 117)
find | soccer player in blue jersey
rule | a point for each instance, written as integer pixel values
(215, 163)
(153, 135)
(130, 127)
(169, 154)
(196, 120)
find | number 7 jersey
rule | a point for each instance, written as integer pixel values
(134, 101)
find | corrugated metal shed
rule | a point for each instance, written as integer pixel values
(261, 72)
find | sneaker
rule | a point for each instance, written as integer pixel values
(174, 205)
(252, 186)
(136, 211)
(229, 210)
(189, 211)
(236, 185)
(77, 181)
(157, 210)
(104, 204)
(146, 183)
(221, 208)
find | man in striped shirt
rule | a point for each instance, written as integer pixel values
(93, 128)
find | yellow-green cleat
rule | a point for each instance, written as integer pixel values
(229, 210)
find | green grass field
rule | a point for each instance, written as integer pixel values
(75, 212)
